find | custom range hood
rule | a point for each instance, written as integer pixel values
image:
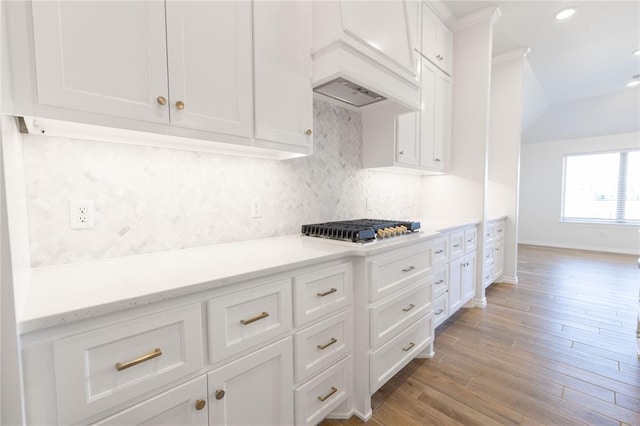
(364, 52)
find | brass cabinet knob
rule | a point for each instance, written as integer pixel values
(219, 394)
(200, 404)
(180, 105)
(309, 132)
(161, 100)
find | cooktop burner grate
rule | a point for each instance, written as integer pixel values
(361, 230)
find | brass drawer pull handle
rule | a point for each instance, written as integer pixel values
(161, 100)
(439, 312)
(326, 345)
(333, 290)
(200, 404)
(439, 282)
(180, 105)
(309, 132)
(219, 394)
(439, 251)
(409, 269)
(408, 348)
(333, 390)
(254, 319)
(408, 308)
(151, 355)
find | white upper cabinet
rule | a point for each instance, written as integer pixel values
(220, 76)
(209, 52)
(435, 119)
(282, 68)
(437, 41)
(407, 131)
(102, 57)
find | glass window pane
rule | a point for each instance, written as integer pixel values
(591, 186)
(632, 198)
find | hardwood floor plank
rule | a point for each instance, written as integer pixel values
(559, 348)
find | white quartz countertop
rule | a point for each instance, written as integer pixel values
(61, 294)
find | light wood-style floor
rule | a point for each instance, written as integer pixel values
(557, 349)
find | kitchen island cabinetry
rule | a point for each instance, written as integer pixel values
(215, 72)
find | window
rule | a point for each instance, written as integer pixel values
(603, 187)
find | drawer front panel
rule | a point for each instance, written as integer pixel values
(456, 245)
(470, 239)
(320, 293)
(499, 230)
(488, 257)
(390, 274)
(489, 233)
(440, 281)
(321, 345)
(396, 314)
(320, 396)
(107, 367)
(439, 251)
(390, 358)
(241, 320)
(487, 275)
(440, 310)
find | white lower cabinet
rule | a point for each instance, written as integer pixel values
(493, 267)
(255, 389)
(182, 405)
(461, 281)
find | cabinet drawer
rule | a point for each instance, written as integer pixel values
(322, 344)
(489, 233)
(488, 256)
(241, 320)
(177, 407)
(396, 314)
(487, 275)
(456, 245)
(439, 251)
(320, 293)
(109, 366)
(320, 396)
(440, 310)
(470, 239)
(390, 274)
(499, 230)
(390, 358)
(440, 281)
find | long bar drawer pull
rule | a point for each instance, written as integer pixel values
(439, 282)
(456, 245)
(470, 241)
(254, 319)
(151, 355)
(331, 392)
(408, 308)
(408, 348)
(333, 290)
(439, 251)
(326, 345)
(439, 312)
(409, 269)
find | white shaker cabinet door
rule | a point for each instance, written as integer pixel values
(282, 69)
(106, 57)
(209, 51)
(255, 389)
(182, 405)
(407, 128)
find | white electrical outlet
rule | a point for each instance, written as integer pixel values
(81, 214)
(256, 207)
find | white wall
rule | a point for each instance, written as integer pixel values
(535, 99)
(504, 153)
(541, 194)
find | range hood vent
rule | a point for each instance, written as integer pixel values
(346, 91)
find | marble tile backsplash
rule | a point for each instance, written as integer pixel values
(152, 199)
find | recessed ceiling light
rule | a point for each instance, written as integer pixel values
(635, 81)
(566, 13)
(637, 52)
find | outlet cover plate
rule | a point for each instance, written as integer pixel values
(81, 214)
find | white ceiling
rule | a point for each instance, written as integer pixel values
(588, 55)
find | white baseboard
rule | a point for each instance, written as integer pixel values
(581, 247)
(508, 280)
(480, 303)
(341, 416)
